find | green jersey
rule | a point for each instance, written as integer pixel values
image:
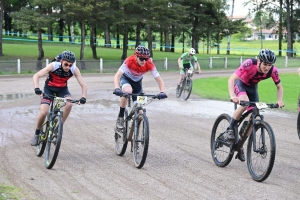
(186, 58)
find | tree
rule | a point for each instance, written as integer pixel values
(1, 21)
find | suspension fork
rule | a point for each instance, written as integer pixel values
(262, 134)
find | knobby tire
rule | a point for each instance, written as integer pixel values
(141, 141)
(220, 153)
(121, 141)
(53, 142)
(260, 164)
(187, 88)
(40, 148)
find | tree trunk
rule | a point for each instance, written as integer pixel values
(41, 51)
(173, 39)
(125, 42)
(93, 41)
(61, 29)
(289, 29)
(149, 32)
(1, 21)
(167, 41)
(107, 36)
(118, 37)
(229, 35)
(280, 29)
(138, 34)
(82, 45)
(161, 41)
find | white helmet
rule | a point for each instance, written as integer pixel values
(192, 51)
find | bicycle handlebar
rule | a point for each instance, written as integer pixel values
(53, 97)
(127, 95)
(247, 103)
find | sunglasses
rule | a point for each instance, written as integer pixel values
(143, 59)
(68, 64)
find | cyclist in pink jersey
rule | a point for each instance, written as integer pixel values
(242, 85)
(59, 73)
(128, 79)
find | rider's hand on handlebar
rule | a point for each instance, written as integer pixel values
(280, 104)
(38, 91)
(118, 92)
(235, 99)
(162, 95)
(82, 100)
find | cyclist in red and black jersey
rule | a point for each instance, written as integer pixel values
(59, 72)
(128, 78)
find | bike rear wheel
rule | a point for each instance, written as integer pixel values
(298, 124)
(182, 85)
(260, 163)
(53, 142)
(141, 141)
(187, 89)
(121, 138)
(220, 147)
(40, 147)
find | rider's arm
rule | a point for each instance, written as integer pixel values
(161, 84)
(41, 73)
(279, 95)
(180, 63)
(198, 65)
(117, 78)
(231, 82)
(81, 82)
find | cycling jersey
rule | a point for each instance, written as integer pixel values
(248, 73)
(132, 70)
(187, 59)
(58, 77)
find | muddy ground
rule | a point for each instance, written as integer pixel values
(179, 163)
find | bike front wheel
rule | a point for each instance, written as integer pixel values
(141, 141)
(53, 142)
(220, 147)
(182, 84)
(40, 147)
(121, 137)
(187, 89)
(261, 161)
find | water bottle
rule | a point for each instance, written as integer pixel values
(243, 128)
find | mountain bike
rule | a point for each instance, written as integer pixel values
(261, 146)
(136, 129)
(186, 85)
(52, 129)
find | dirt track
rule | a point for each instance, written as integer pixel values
(179, 163)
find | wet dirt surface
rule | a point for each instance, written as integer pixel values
(179, 163)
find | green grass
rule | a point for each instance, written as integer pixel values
(217, 88)
(9, 193)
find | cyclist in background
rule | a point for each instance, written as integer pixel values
(128, 79)
(242, 85)
(59, 73)
(185, 62)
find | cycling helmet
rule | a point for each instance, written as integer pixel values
(68, 56)
(267, 56)
(192, 51)
(142, 51)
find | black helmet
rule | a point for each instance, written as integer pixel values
(267, 56)
(142, 51)
(68, 56)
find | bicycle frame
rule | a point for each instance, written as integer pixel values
(249, 129)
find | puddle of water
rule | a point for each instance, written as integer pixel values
(14, 96)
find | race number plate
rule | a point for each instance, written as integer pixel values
(190, 71)
(261, 105)
(141, 99)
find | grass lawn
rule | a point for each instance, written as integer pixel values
(217, 88)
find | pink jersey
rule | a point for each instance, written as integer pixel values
(248, 73)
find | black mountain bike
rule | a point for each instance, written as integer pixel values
(186, 85)
(261, 146)
(136, 129)
(51, 133)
